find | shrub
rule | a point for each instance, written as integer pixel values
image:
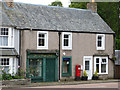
(6, 76)
(96, 74)
(85, 74)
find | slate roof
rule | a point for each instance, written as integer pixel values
(8, 52)
(53, 18)
(117, 55)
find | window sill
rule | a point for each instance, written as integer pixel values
(102, 73)
(66, 48)
(42, 48)
(66, 75)
(6, 46)
(100, 49)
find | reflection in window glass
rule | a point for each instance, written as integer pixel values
(66, 40)
(4, 64)
(86, 65)
(41, 40)
(66, 64)
(35, 67)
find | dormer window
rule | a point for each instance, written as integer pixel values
(6, 37)
(100, 42)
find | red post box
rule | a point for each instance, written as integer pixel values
(78, 71)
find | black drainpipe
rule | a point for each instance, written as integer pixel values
(59, 33)
(19, 47)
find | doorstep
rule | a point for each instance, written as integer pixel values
(63, 83)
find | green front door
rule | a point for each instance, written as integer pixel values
(50, 69)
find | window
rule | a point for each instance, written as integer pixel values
(100, 42)
(42, 40)
(66, 41)
(6, 37)
(4, 64)
(66, 67)
(9, 65)
(35, 67)
(101, 65)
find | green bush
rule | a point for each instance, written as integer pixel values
(96, 73)
(6, 76)
(85, 74)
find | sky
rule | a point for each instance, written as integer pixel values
(44, 2)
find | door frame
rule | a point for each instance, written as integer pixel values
(91, 63)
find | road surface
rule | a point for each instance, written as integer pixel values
(96, 85)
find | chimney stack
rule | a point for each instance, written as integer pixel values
(92, 6)
(9, 3)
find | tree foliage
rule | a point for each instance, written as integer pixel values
(56, 3)
(81, 5)
(109, 11)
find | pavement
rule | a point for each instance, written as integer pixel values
(72, 82)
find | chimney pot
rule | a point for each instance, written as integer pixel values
(9, 3)
(92, 6)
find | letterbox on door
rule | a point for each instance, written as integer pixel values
(78, 71)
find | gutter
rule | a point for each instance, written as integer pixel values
(73, 31)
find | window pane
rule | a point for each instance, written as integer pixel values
(7, 61)
(2, 62)
(35, 67)
(2, 31)
(99, 37)
(6, 31)
(5, 39)
(66, 66)
(97, 60)
(1, 41)
(41, 42)
(103, 68)
(66, 42)
(104, 60)
(99, 43)
(42, 35)
(97, 67)
(86, 65)
(66, 36)
(6, 69)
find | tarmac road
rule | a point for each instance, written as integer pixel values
(96, 85)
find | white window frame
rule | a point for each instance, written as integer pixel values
(10, 40)
(100, 62)
(103, 42)
(46, 40)
(12, 66)
(69, 47)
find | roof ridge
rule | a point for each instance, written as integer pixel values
(52, 6)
